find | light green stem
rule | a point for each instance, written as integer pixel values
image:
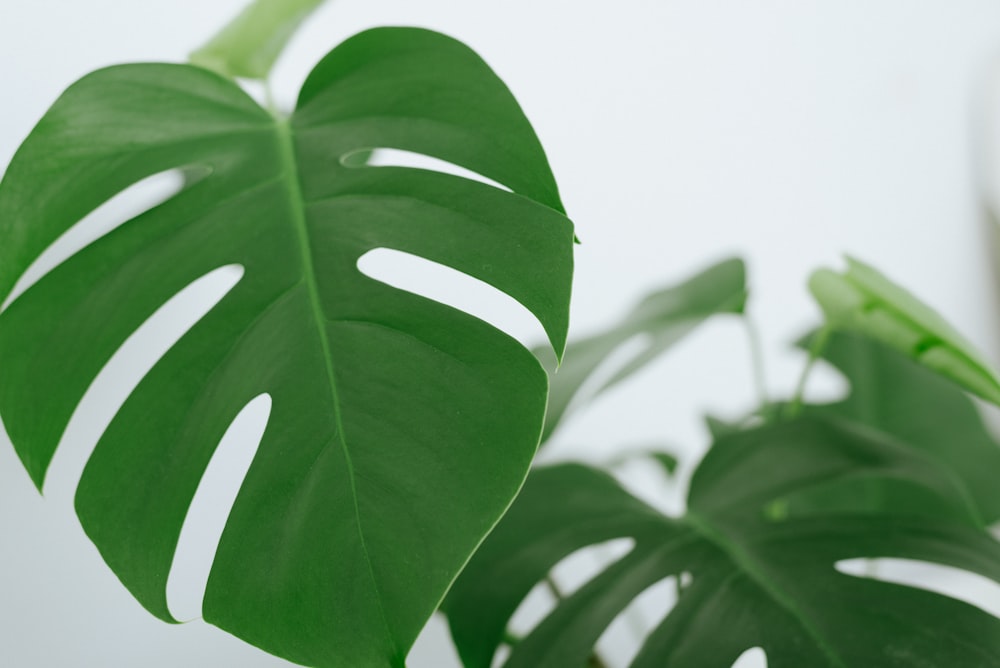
(250, 44)
(815, 350)
(756, 359)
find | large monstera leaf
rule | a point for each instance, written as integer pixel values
(754, 581)
(400, 428)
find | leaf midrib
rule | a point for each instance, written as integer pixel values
(296, 200)
(747, 564)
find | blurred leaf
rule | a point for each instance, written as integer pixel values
(863, 300)
(656, 452)
(665, 316)
(251, 43)
(892, 393)
(717, 427)
(754, 581)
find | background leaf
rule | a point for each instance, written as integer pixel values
(891, 392)
(754, 582)
(666, 316)
(400, 428)
(863, 300)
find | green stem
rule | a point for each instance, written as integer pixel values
(756, 358)
(815, 350)
(248, 46)
(270, 102)
(595, 660)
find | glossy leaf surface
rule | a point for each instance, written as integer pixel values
(754, 582)
(400, 428)
(863, 300)
(665, 317)
(893, 393)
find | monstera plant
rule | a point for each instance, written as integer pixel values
(388, 481)
(903, 467)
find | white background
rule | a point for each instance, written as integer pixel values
(680, 132)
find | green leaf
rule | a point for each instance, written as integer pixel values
(863, 300)
(400, 428)
(656, 452)
(251, 43)
(892, 393)
(754, 582)
(665, 316)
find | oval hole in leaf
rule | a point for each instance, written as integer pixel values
(945, 580)
(620, 642)
(393, 157)
(533, 608)
(127, 205)
(213, 500)
(500, 658)
(122, 373)
(451, 287)
(752, 658)
(580, 567)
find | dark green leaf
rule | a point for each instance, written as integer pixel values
(252, 42)
(400, 428)
(665, 316)
(863, 300)
(892, 393)
(754, 582)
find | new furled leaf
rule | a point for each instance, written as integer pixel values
(863, 300)
(400, 428)
(754, 581)
(665, 316)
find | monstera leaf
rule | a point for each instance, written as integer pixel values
(664, 317)
(895, 394)
(753, 581)
(400, 428)
(863, 300)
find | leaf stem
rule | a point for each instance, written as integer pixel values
(756, 358)
(815, 350)
(595, 660)
(248, 46)
(270, 102)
